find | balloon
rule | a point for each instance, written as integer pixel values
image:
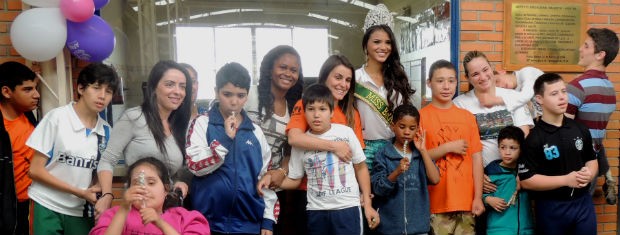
(39, 34)
(100, 3)
(92, 40)
(42, 3)
(77, 10)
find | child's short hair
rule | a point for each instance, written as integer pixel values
(405, 110)
(14, 74)
(512, 133)
(318, 93)
(440, 64)
(547, 78)
(98, 73)
(233, 73)
(605, 40)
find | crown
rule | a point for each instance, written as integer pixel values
(380, 15)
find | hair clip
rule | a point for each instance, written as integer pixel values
(380, 15)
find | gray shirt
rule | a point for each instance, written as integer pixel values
(132, 140)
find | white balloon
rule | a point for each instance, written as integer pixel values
(39, 34)
(43, 3)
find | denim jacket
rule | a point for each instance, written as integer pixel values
(400, 216)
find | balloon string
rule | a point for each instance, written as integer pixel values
(47, 85)
(405, 187)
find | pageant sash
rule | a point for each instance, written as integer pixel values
(375, 101)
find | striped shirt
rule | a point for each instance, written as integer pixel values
(592, 99)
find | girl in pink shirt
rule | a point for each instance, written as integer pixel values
(145, 207)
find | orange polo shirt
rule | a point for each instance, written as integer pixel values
(19, 130)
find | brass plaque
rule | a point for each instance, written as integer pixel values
(544, 35)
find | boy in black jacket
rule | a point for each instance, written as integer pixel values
(18, 98)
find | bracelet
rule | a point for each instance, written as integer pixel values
(283, 171)
(105, 194)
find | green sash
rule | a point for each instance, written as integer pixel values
(375, 101)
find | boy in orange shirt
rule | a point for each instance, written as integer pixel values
(18, 98)
(454, 144)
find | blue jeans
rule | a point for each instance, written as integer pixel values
(571, 217)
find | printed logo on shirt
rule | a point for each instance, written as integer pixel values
(296, 110)
(579, 143)
(77, 161)
(551, 152)
(522, 168)
(249, 142)
(139, 232)
(489, 124)
(328, 173)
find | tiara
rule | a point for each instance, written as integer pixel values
(380, 15)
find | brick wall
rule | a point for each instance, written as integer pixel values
(9, 9)
(482, 29)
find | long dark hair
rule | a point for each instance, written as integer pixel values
(178, 119)
(347, 103)
(394, 76)
(265, 97)
(164, 176)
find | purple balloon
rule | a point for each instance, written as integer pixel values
(100, 3)
(92, 40)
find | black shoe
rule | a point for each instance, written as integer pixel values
(609, 190)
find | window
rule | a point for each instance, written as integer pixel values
(208, 48)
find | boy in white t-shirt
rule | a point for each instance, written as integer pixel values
(68, 144)
(522, 81)
(333, 185)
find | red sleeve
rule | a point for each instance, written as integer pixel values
(358, 128)
(104, 221)
(193, 222)
(298, 118)
(475, 144)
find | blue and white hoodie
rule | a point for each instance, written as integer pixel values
(226, 172)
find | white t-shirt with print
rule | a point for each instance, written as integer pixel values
(72, 151)
(492, 120)
(525, 95)
(332, 184)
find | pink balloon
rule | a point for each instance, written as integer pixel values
(77, 10)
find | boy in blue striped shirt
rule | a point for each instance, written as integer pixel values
(592, 98)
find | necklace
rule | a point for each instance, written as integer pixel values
(405, 187)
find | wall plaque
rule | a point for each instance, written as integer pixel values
(546, 35)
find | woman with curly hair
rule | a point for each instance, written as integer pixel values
(279, 87)
(382, 78)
